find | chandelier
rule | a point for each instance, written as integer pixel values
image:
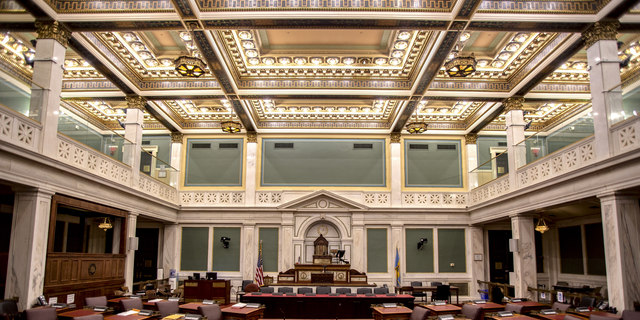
(416, 127)
(105, 225)
(230, 127)
(542, 226)
(189, 66)
(461, 66)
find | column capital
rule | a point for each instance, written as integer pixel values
(53, 30)
(513, 103)
(252, 137)
(176, 137)
(605, 30)
(471, 138)
(395, 137)
(136, 102)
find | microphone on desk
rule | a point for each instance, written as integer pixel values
(338, 309)
(284, 316)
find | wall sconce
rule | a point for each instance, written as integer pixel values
(225, 242)
(421, 243)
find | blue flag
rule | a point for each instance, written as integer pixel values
(397, 267)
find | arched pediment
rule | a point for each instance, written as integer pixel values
(322, 200)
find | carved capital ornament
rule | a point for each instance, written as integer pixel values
(471, 138)
(136, 102)
(513, 103)
(395, 137)
(176, 137)
(53, 30)
(605, 30)
(252, 137)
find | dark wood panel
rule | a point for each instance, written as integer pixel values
(207, 289)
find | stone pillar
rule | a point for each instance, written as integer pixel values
(396, 170)
(250, 179)
(176, 158)
(250, 245)
(396, 242)
(515, 134)
(28, 250)
(604, 78)
(170, 248)
(472, 159)
(621, 231)
(132, 223)
(524, 259)
(286, 245)
(46, 84)
(476, 252)
(133, 136)
(359, 251)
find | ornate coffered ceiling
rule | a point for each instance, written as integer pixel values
(334, 66)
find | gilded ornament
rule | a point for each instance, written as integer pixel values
(395, 137)
(53, 30)
(471, 138)
(136, 102)
(252, 137)
(176, 137)
(605, 30)
(513, 103)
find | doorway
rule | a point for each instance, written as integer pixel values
(146, 257)
(6, 221)
(500, 259)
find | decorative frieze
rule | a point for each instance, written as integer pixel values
(18, 130)
(434, 199)
(212, 198)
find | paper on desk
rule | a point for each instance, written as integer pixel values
(127, 313)
(155, 300)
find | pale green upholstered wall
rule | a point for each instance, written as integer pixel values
(323, 162)
(376, 250)
(269, 238)
(209, 163)
(451, 249)
(433, 163)
(419, 260)
(193, 253)
(226, 259)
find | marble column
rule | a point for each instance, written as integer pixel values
(396, 170)
(358, 251)
(287, 256)
(170, 248)
(396, 242)
(524, 259)
(472, 158)
(132, 223)
(621, 232)
(516, 153)
(28, 249)
(46, 85)
(250, 178)
(605, 83)
(476, 252)
(176, 158)
(133, 134)
(250, 250)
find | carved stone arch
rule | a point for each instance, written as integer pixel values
(303, 228)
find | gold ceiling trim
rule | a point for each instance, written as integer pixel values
(378, 110)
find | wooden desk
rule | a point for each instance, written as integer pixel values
(595, 312)
(77, 313)
(432, 289)
(528, 306)
(191, 307)
(395, 313)
(558, 316)
(129, 317)
(152, 304)
(438, 310)
(231, 313)
(217, 290)
(489, 307)
(515, 317)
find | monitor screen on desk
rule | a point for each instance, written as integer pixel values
(212, 275)
(196, 275)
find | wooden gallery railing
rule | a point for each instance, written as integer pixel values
(490, 285)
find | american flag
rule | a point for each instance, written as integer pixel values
(259, 274)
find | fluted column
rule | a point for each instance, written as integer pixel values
(132, 224)
(46, 86)
(286, 247)
(472, 158)
(133, 135)
(396, 170)
(515, 134)
(176, 158)
(605, 83)
(250, 179)
(621, 232)
(524, 259)
(28, 250)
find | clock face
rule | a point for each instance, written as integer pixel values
(323, 229)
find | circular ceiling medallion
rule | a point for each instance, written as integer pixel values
(322, 204)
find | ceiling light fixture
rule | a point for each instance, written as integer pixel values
(416, 127)
(105, 224)
(231, 126)
(189, 66)
(461, 66)
(542, 226)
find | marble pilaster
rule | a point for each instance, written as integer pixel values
(286, 245)
(132, 223)
(250, 178)
(358, 251)
(133, 133)
(46, 83)
(28, 249)
(516, 152)
(472, 159)
(396, 174)
(476, 252)
(605, 83)
(176, 157)
(170, 248)
(621, 232)
(250, 247)
(396, 242)
(524, 260)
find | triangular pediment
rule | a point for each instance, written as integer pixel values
(324, 201)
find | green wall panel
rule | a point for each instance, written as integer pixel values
(193, 254)
(433, 163)
(269, 238)
(210, 163)
(323, 162)
(226, 259)
(419, 260)
(377, 250)
(451, 249)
